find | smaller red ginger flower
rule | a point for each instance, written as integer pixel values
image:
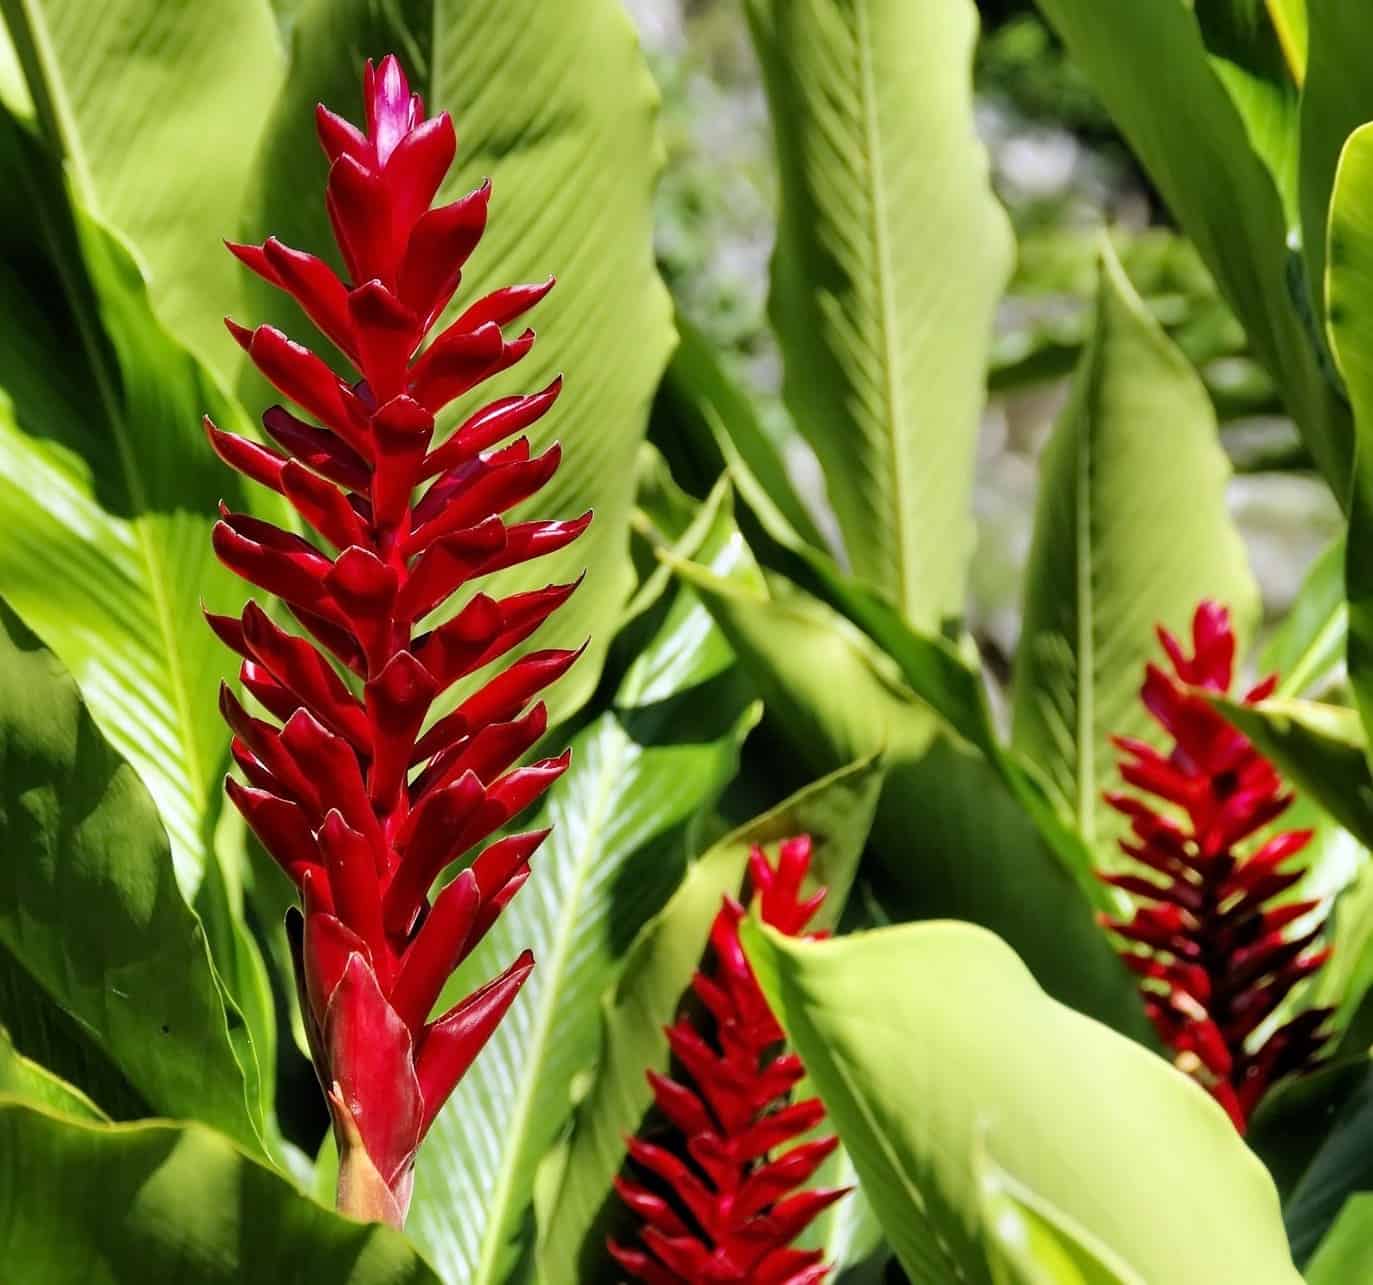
(732, 1214)
(1216, 956)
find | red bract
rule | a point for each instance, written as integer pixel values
(732, 1213)
(1216, 955)
(362, 807)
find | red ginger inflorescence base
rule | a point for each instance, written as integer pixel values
(1215, 955)
(733, 1211)
(361, 807)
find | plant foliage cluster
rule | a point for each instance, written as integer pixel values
(767, 661)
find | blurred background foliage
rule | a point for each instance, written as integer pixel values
(1064, 176)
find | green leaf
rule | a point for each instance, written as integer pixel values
(1152, 71)
(1339, 1169)
(837, 812)
(108, 490)
(1337, 98)
(91, 911)
(1320, 748)
(1346, 1254)
(712, 419)
(891, 254)
(1349, 286)
(555, 104)
(22, 1078)
(1307, 648)
(1098, 1128)
(952, 839)
(621, 820)
(1029, 1242)
(1122, 544)
(163, 1204)
(1260, 73)
(156, 110)
(1294, 1120)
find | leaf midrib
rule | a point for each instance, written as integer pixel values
(1085, 666)
(63, 128)
(535, 1049)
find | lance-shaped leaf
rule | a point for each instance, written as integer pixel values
(1122, 544)
(891, 254)
(89, 907)
(108, 492)
(162, 1202)
(157, 110)
(1215, 181)
(880, 1017)
(577, 1204)
(570, 145)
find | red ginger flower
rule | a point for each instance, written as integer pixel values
(1216, 957)
(361, 808)
(729, 1216)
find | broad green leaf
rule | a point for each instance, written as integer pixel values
(90, 907)
(1294, 1120)
(157, 110)
(108, 490)
(164, 1204)
(555, 104)
(1349, 287)
(1121, 545)
(1337, 98)
(1029, 1242)
(1098, 1128)
(23, 1078)
(621, 821)
(1341, 1167)
(1151, 69)
(43, 1032)
(1320, 748)
(1307, 648)
(952, 839)
(1346, 1254)
(837, 812)
(891, 254)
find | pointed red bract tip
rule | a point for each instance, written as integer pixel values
(725, 1200)
(1215, 955)
(362, 811)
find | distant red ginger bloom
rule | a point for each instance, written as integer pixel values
(1216, 956)
(361, 807)
(732, 1213)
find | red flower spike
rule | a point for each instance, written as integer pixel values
(1214, 958)
(360, 807)
(726, 1203)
